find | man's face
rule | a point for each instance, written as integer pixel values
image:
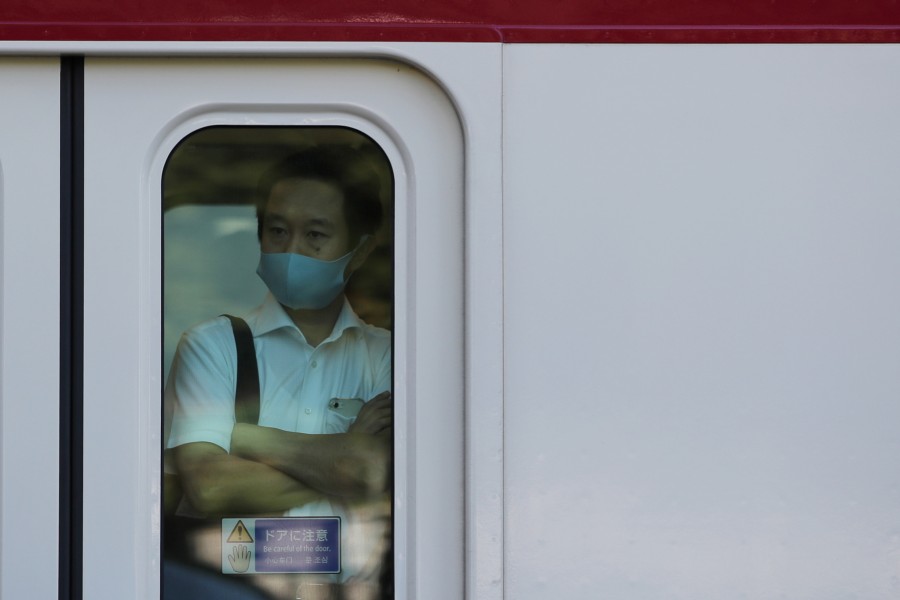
(305, 216)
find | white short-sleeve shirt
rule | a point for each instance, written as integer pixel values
(297, 381)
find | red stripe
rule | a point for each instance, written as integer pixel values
(519, 21)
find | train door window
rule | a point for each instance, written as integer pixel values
(172, 240)
(288, 227)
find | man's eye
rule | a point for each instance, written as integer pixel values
(277, 231)
(315, 235)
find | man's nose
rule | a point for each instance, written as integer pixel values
(297, 245)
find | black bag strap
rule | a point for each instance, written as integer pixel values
(246, 395)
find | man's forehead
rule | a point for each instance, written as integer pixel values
(291, 186)
(315, 198)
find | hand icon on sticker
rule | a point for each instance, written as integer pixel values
(240, 558)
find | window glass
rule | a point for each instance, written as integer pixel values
(278, 288)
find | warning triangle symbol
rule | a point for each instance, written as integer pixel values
(239, 534)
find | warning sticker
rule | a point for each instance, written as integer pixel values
(239, 534)
(282, 545)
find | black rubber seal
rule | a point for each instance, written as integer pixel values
(71, 343)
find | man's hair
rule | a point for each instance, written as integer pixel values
(342, 166)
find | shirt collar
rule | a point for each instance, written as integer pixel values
(270, 315)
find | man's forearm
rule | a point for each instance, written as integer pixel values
(217, 483)
(344, 464)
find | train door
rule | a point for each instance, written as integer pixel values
(138, 114)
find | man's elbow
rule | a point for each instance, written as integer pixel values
(200, 467)
(206, 495)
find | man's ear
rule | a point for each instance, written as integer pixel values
(362, 252)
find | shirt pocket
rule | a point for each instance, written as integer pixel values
(341, 414)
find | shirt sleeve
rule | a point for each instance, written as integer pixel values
(201, 387)
(383, 368)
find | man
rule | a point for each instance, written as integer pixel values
(310, 454)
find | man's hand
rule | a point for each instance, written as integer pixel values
(376, 417)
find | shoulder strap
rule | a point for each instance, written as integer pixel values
(246, 396)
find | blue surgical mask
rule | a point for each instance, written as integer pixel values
(299, 281)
